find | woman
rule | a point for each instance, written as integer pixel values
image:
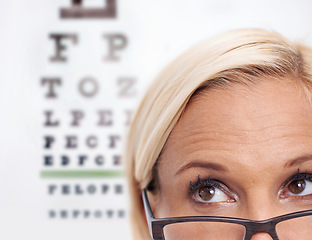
(221, 146)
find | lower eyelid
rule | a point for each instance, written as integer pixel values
(304, 199)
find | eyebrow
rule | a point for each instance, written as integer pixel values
(199, 164)
(219, 167)
(298, 160)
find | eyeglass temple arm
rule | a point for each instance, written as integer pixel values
(148, 211)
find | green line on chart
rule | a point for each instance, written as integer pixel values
(81, 174)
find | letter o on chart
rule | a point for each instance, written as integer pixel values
(88, 87)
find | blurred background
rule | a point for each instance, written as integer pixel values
(72, 74)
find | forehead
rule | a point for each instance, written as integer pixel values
(270, 122)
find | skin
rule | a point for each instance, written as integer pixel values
(251, 139)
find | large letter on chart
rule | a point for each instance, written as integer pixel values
(78, 11)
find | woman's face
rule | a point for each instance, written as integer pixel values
(239, 152)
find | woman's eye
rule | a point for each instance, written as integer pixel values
(211, 194)
(300, 187)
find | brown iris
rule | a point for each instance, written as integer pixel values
(297, 186)
(206, 193)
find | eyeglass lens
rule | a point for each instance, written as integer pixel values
(293, 229)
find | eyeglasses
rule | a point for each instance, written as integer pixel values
(297, 225)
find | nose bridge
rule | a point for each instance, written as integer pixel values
(258, 193)
(263, 211)
(261, 204)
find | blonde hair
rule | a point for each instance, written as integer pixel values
(240, 56)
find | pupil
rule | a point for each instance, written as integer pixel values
(206, 193)
(297, 186)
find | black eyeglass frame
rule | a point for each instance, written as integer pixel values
(156, 225)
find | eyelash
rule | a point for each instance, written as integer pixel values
(204, 183)
(298, 176)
